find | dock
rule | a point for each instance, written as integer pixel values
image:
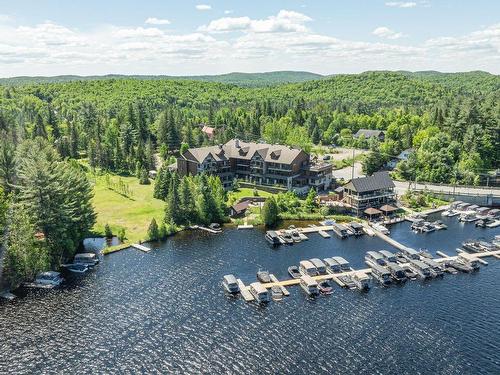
(206, 229)
(320, 229)
(141, 247)
(245, 226)
(274, 279)
(323, 234)
(389, 240)
(245, 293)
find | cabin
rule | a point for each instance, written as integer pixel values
(239, 209)
(373, 191)
(369, 133)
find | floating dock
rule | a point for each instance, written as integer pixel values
(206, 229)
(245, 293)
(245, 226)
(274, 279)
(141, 247)
(323, 234)
(389, 240)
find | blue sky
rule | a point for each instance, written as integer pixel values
(211, 37)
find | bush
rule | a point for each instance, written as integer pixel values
(108, 233)
(121, 234)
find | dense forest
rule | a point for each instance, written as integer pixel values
(51, 132)
(451, 120)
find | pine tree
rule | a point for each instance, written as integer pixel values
(186, 202)
(270, 212)
(39, 129)
(153, 231)
(172, 205)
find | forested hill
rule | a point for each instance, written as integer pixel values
(235, 78)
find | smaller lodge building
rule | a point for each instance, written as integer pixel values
(372, 191)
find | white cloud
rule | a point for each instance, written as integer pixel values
(284, 21)
(203, 7)
(228, 11)
(401, 4)
(385, 32)
(5, 18)
(157, 21)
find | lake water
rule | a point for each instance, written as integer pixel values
(165, 312)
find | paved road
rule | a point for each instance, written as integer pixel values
(402, 187)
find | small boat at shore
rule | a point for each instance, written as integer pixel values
(230, 283)
(78, 268)
(276, 293)
(263, 276)
(294, 272)
(273, 238)
(325, 287)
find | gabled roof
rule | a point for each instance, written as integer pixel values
(377, 181)
(240, 207)
(368, 133)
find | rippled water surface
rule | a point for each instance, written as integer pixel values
(165, 312)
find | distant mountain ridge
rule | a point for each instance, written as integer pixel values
(235, 78)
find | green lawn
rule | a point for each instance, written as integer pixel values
(134, 213)
(247, 192)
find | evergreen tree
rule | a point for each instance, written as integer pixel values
(270, 212)
(153, 231)
(186, 202)
(39, 129)
(172, 205)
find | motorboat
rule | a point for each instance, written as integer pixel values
(76, 268)
(450, 213)
(320, 266)
(435, 266)
(424, 253)
(49, 278)
(468, 217)
(332, 265)
(273, 238)
(373, 257)
(462, 267)
(381, 228)
(410, 274)
(357, 228)
(438, 224)
(388, 256)
(410, 253)
(287, 237)
(361, 280)
(397, 272)
(259, 292)
(307, 268)
(294, 272)
(309, 285)
(230, 283)
(348, 281)
(421, 269)
(340, 230)
(276, 293)
(295, 236)
(325, 287)
(215, 227)
(344, 264)
(89, 259)
(263, 276)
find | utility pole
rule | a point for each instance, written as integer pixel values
(352, 172)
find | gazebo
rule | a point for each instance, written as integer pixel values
(370, 211)
(387, 208)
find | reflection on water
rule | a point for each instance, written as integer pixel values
(165, 312)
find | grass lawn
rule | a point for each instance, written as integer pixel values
(247, 192)
(133, 213)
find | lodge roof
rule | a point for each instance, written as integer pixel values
(377, 181)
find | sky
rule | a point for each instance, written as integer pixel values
(96, 37)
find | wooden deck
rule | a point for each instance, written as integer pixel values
(245, 293)
(141, 247)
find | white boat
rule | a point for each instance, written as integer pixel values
(493, 224)
(49, 278)
(230, 284)
(468, 217)
(309, 285)
(319, 264)
(259, 292)
(361, 280)
(77, 268)
(420, 268)
(381, 228)
(372, 257)
(89, 259)
(380, 273)
(450, 213)
(307, 268)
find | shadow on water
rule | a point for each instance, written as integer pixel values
(166, 312)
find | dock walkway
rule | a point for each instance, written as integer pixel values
(245, 293)
(141, 247)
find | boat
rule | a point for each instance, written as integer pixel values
(259, 292)
(449, 213)
(438, 224)
(372, 257)
(49, 278)
(452, 270)
(325, 287)
(344, 264)
(468, 217)
(332, 265)
(309, 285)
(435, 266)
(420, 268)
(276, 293)
(417, 225)
(397, 272)
(294, 272)
(361, 280)
(381, 274)
(462, 267)
(273, 238)
(356, 227)
(307, 268)
(340, 230)
(328, 222)
(388, 256)
(89, 259)
(320, 266)
(348, 281)
(424, 253)
(472, 246)
(428, 227)
(381, 228)
(410, 253)
(410, 274)
(286, 237)
(295, 236)
(468, 261)
(263, 276)
(215, 227)
(76, 268)
(230, 283)
(483, 223)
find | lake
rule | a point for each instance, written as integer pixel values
(166, 312)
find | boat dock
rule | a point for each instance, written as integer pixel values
(389, 240)
(274, 279)
(320, 229)
(245, 293)
(245, 226)
(323, 234)
(206, 229)
(141, 247)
